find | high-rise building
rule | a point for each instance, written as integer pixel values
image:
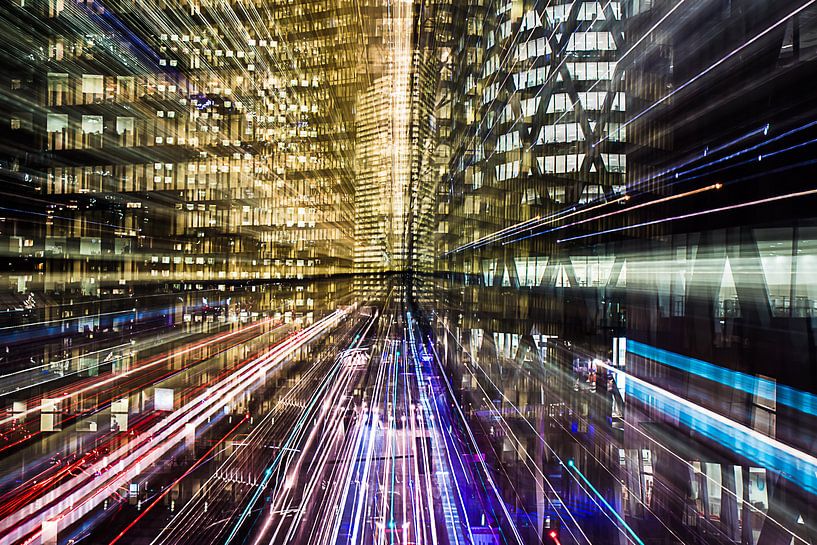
(400, 155)
(538, 126)
(430, 128)
(416, 271)
(200, 145)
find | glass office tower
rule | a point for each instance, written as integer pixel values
(541, 103)
(418, 271)
(229, 147)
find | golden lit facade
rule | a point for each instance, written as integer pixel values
(222, 147)
(402, 139)
(232, 142)
(383, 143)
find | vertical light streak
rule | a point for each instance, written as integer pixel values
(511, 433)
(438, 424)
(475, 447)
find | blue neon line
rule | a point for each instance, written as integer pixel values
(761, 156)
(725, 208)
(766, 452)
(744, 151)
(791, 397)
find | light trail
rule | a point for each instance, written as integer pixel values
(712, 67)
(712, 482)
(651, 401)
(231, 472)
(678, 176)
(487, 474)
(798, 400)
(357, 517)
(756, 202)
(18, 381)
(375, 485)
(120, 390)
(797, 466)
(601, 464)
(534, 223)
(150, 363)
(84, 493)
(572, 465)
(759, 158)
(626, 210)
(169, 488)
(671, 171)
(339, 379)
(330, 390)
(134, 384)
(511, 433)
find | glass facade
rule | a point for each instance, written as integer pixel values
(450, 271)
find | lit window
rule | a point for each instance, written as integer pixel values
(56, 122)
(92, 84)
(92, 124)
(124, 124)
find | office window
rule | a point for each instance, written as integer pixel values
(562, 132)
(22, 120)
(124, 124)
(92, 84)
(57, 88)
(560, 164)
(125, 129)
(615, 162)
(126, 88)
(56, 122)
(55, 7)
(92, 124)
(764, 406)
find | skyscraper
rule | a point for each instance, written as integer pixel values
(538, 128)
